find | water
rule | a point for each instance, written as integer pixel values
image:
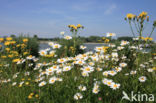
(90, 46)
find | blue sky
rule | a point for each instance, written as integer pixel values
(47, 18)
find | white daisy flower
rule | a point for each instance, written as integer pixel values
(67, 37)
(67, 68)
(142, 79)
(62, 32)
(95, 88)
(56, 46)
(14, 83)
(133, 72)
(82, 88)
(104, 81)
(42, 83)
(110, 34)
(112, 72)
(115, 86)
(123, 64)
(85, 74)
(118, 69)
(124, 43)
(52, 80)
(78, 96)
(88, 69)
(82, 47)
(43, 52)
(105, 73)
(150, 70)
(114, 55)
(109, 82)
(51, 44)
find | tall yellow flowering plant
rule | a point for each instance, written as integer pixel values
(74, 29)
(139, 23)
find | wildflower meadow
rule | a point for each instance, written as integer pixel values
(117, 72)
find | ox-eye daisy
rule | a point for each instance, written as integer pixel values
(115, 86)
(67, 37)
(110, 34)
(42, 52)
(85, 74)
(95, 88)
(123, 64)
(52, 80)
(42, 83)
(67, 68)
(88, 69)
(83, 47)
(109, 82)
(78, 96)
(56, 46)
(82, 88)
(142, 79)
(105, 73)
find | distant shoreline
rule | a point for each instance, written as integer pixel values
(84, 43)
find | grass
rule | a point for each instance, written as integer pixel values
(64, 91)
(65, 73)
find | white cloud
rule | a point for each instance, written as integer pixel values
(110, 9)
(84, 5)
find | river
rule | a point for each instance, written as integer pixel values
(90, 46)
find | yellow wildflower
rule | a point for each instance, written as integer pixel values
(10, 56)
(143, 14)
(7, 49)
(74, 27)
(1, 39)
(12, 42)
(25, 53)
(36, 95)
(22, 79)
(3, 57)
(150, 39)
(142, 38)
(18, 45)
(20, 85)
(29, 78)
(7, 43)
(15, 60)
(1, 65)
(25, 40)
(26, 83)
(30, 96)
(107, 40)
(154, 68)
(79, 25)
(23, 45)
(130, 16)
(9, 38)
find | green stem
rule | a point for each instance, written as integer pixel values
(136, 26)
(74, 38)
(131, 28)
(151, 32)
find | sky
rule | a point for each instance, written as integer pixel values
(47, 18)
